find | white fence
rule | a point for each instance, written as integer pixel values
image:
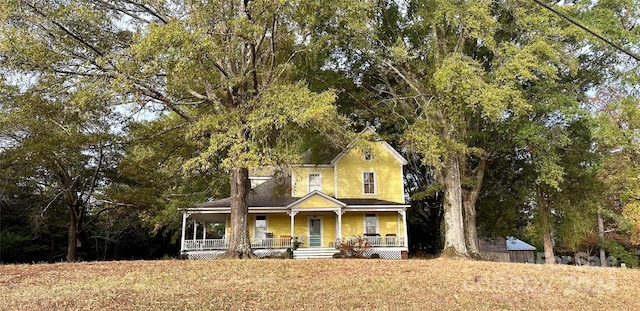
(381, 241)
(213, 244)
(282, 243)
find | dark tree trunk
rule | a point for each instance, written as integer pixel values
(454, 244)
(239, 242)
(52, 253)
(72, 248)
(545, 227)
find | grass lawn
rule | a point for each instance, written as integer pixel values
(331, 284)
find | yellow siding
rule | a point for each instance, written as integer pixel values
(353, 224)
(300, 180)
(316, 201)
(279, 224)
(388, 174)
(328, 226)
(387, 223)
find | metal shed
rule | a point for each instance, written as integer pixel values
(520, 251)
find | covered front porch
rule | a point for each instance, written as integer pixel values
(272, 232)
(198, 244)
(315, 221)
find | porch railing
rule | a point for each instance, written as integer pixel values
(305, 241)
(206, 244)
(213, 244)
(380, 241)
(271, 243)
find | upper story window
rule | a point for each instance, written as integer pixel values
(315, 182)
(370, 224)
(369, 182)
(260, 227)
(368, 155)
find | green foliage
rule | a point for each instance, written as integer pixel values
(230, 84)
(618, 134)
(620, 252)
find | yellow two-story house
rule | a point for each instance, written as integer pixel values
(358, 194)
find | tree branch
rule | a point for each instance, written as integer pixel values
(94, 178)
(63, 28)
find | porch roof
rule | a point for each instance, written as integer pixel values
(272, 193)
(282, 203)
(276, 194)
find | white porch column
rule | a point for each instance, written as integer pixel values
(204, 230)
(339, 224)
(398, 224)
(195, 229)
(227, 227)
(404, 227)
(293, 223)
(184, 230)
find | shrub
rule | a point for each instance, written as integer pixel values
(355, 247)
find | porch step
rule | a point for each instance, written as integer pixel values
(314, 252)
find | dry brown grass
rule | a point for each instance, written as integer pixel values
(438, 284)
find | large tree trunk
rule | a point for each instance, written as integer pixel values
(454, 244)
(470, 227)
(239, 242)
(545, 227)
(72, 248)
(603, 254)
(469, 199)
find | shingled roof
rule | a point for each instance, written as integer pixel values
(274, 192)
(359, 201)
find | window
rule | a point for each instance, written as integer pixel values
(369, 182)
(315, 182)
(368, 156)
(261, 227)
(370, 224)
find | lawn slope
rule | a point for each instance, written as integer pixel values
(315, 285)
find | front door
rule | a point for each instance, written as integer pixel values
(315, 232)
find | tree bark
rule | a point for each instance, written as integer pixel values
(239, 242)
(470, 227)
(72, 248)
(454, 243)
(469, 199)
(603, 254)
(545, 227)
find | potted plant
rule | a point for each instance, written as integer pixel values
(295, 244)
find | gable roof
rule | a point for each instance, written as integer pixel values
(395, 154)
(320, 194)
(514, 244)
(267, 195)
